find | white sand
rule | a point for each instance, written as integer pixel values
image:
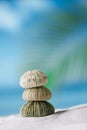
(74, 118)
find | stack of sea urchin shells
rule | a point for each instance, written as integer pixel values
(35, 95)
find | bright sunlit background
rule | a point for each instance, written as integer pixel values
(49, 35)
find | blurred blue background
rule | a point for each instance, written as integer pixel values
(49, 35)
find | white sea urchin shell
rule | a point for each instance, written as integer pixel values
(32, 79)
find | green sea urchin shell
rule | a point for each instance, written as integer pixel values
(32, 79)
(37, 94)
(37, 109)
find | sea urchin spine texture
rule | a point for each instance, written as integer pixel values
(37, 109)
(33, 78)
(36, 94)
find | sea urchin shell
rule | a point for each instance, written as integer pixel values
(37, 109)
(32, 79)
(37, 94)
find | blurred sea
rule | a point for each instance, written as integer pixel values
(62, 97)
